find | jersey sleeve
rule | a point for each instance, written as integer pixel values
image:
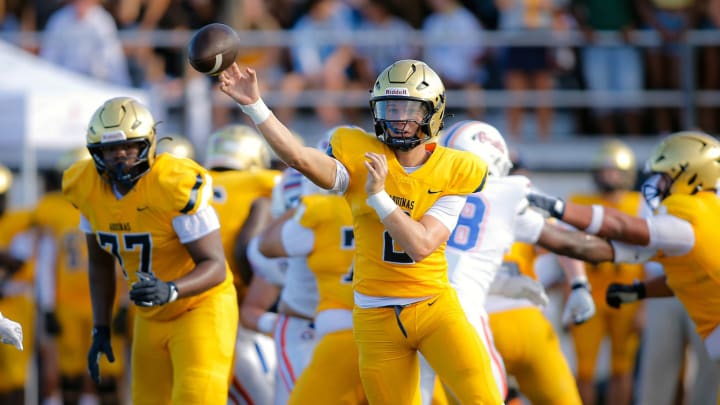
(682, 206)
(267, 180)
(345, 144)
(469, 173)
(73, 186)
(186, 186)
(528, 225)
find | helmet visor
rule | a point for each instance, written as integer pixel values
(400, 110)
(655, 189)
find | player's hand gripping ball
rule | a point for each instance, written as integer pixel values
(213, 48)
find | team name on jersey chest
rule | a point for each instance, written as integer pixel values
(120, 226)
(403, 202)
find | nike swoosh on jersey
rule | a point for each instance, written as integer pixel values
(433, 191)
(142, 208)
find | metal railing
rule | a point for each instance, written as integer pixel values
(688, 97)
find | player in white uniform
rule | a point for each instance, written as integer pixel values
(488, 225)
(282, 263)
(256, 311)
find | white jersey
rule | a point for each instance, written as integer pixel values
(491, 221)
(300, 290)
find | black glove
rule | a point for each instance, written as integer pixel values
(554, 206)
(52, 325)
(618, 294)
(151, 291)
(119, 322)
(100, 345)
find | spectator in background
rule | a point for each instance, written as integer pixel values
(142, 16)
(380, 17)
(610, 68)
(710, 59)
(82, 37)
(317, 64)
(457, 62)
(528, 67)
(251, 15)
(671, 19)
(18, 16)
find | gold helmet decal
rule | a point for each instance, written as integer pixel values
(407, 91)
(690, 160)
(120, 121)
(6, 179)
(615, 154)
(176, 145)
(237, 147)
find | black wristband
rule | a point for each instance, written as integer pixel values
(580, 284)
(640, 289)
(101, 331)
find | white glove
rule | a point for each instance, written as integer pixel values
(580, 305)
(518, 286)
(11, 332)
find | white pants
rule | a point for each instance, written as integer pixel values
(295, 341)
(668, 331)
(254, 369)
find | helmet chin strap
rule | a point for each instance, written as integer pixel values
(403, 144)
(399, 143)
(118, 174)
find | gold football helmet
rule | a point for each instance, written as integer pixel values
(120, 121)
(683, 163)
(614, 166)
(407, 91)
(237, 147)
(6, 179)
(176, 145)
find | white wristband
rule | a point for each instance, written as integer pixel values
(266, 322)
(257, 111)
(382, 203)
(598, 214)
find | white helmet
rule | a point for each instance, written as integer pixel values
(482, 139)
(287, 192)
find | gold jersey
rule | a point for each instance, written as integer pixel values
(602, 274)
(695, 277)
(330, 219)
(523, 256)
(57, 218)
(382, 268)
(234, 192)
(12, 224)
(137, 229)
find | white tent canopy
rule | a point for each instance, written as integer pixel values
(44, 109)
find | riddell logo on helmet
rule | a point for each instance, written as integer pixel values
(396, 91)
(113, 136)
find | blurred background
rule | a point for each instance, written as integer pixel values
(557, 77)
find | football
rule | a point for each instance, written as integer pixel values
(213, 48)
